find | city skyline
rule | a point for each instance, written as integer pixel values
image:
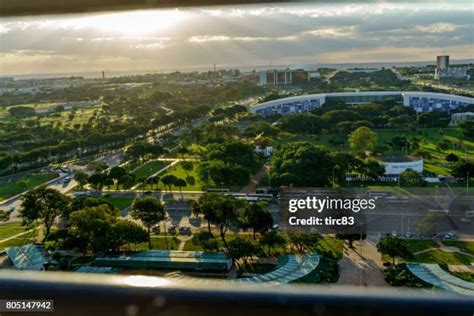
(236, 36)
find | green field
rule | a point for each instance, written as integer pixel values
(441, 257)
(331, 244)
(417, 245)
(21, 240)
(149, 168)
(159, 243)
(465, 246)
(10, 189)
(10, 229)
(194, 182)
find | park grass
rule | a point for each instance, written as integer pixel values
(416, 245)
(149, 168)
(158, 243)
(465, 246)
(332, 245)
(10, 229)
(190, 246)
(441, 257)
(119, 203)
(192, 178)
(20, 241)
(9, 189)
(466, 276)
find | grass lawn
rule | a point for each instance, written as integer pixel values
(416, 245)
(119, 203)
(189, 246)
(466, 276)
(10, 229)
(441, 257)
(158, 243)
(10, 189)
(192, 178)
(465, 246)
(149, 168)
(331, 244)
(22, 240)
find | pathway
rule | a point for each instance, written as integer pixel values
(253, 183)
(444, 248)
(361, 265)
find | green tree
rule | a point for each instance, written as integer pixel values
(126, 181)
(257, 217)
(92, 228)
(393, 247)
(372, 169)
(467, 129)
(412, 178)
(81, 178)
(180, 184)
(43, 205)
(301, 241)
(363, 139)
(128, 232)
(243, 248)
(4, 216)
(351, 237)
(207, 205)
(22, 184)
(116, 173)
(452, 157)
(97, 166)
(187, 166)
(273, 239)
(463, 169)
(150, 212)
(168, 180)
(301, 164)
(206, 240)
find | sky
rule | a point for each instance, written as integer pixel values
(276, 34)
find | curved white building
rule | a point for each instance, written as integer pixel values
(395, 165)
(420, 101)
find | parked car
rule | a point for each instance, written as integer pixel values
(171, 228)
(394, 234)
(156, 229)
(408, 235)
(185, 230)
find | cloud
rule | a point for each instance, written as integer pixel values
(437, 28)
(223, 38)
(332, 32)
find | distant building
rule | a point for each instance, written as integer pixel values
(264, 151)
(442, 62)
(285, 77)
(457, 118)
(395, 165)
(420, 101)
(444, 71)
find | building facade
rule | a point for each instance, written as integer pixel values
(420, 101)
(396, 165)
(457, 118)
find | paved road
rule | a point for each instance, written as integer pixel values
(361, 265)
(58, 185)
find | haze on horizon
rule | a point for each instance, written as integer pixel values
(237, 36)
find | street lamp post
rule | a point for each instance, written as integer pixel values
(467, 183)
